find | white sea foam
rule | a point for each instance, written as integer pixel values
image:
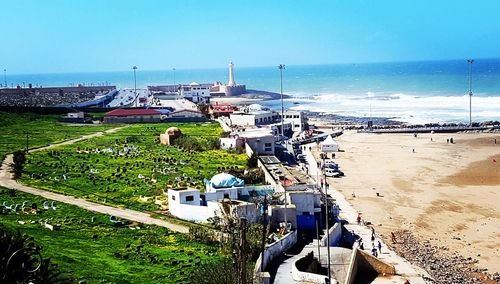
(403, 107)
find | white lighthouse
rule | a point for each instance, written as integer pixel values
(231, 82)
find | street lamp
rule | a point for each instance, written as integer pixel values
(325, 187)
(470, 61)
(281, 67)
(135, 80)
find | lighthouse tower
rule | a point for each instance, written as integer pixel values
(231, 82)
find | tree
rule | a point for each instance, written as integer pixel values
(19, 158)
(21, 261)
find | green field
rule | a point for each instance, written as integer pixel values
(38, 130)
(89, 247)
(120, 167)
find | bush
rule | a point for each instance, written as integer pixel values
(24, 256)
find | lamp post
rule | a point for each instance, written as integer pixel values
(325, 187)
(281, 67)
(470, 61)
(135, 80)
(135, 85)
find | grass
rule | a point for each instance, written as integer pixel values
(112, 176)
(40, 129)
(88, 247)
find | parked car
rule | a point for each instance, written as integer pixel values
(329, 172)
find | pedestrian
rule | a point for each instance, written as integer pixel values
(379, 246)
(373, 238)
(495, 141)
(374, 251)
(407, 281)
(362, 246)
(359, 219)
(447, 140)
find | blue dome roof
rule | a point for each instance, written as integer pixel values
(223, 180)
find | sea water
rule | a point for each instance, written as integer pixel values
(415, 92)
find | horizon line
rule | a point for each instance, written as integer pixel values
(252, 66)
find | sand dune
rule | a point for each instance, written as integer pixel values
(448, 193)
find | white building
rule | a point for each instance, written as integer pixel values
(189, 204)
(261, 140)
(196, 93)
(254, 115)
(297, 119)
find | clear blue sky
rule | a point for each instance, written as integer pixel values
(43, 36)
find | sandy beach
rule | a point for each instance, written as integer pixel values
(446, 193)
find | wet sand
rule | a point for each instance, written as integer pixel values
(447, 193)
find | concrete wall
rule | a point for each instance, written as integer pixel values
(303, 270)
(277, 215)
(194, 213)
(235, 90)
(275, 249)
(133, 119)
(335, 233)
(363, 263)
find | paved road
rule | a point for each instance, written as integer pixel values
(6, 180)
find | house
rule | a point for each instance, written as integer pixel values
(75, 117)
(196, 93)
(186, 115)
(132, 116)
(297, 119)
(222, 193)
(261, 140)
(254, 115)
(232, 142)
(217, 110)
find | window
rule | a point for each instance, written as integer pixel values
(189, 198)
(226, 195)
(306, 213)
(173, 197)
(296, 116)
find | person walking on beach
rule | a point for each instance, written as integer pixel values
(358, 219)
(379, 247)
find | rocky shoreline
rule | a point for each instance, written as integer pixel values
(443, 265)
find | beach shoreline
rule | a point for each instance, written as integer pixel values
(402, 182)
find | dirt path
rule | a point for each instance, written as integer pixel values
(6, 180)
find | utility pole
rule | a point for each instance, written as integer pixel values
(264, 229)
(242, 252)
(317, 237)
(470, 61)
(323, 155)
(281, 67)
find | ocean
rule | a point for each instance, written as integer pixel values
(414, 92)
